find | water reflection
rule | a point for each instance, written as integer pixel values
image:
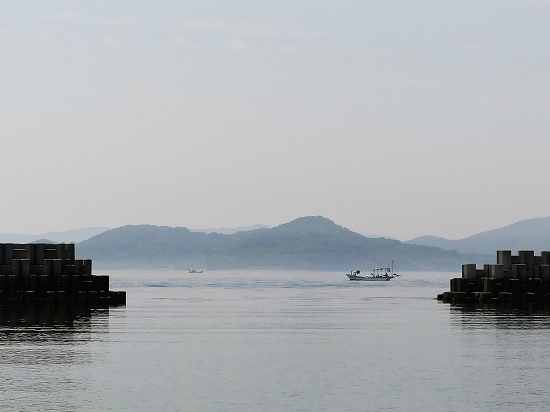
(43, 349)
(505, 316)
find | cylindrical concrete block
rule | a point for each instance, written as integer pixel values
(69, 251)
(79, 267)
(15, 265)
(57, 268)
(25, 268)
(87, 263)
(504, 257)
(11, 284)
(39, 253)
(469, 271)
(74, 285)
(545, 257)
(489, 285)
(60, 251)
(101, 282)
(528, 258)
(522, 272)
(496, 271)
(7, 254)
(545, 273)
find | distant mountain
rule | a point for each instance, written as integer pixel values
(70, 236)
(230, 231)
(312, 242)
(530, 234)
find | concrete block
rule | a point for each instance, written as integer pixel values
(69, 269)
(7, 254)
(507, 274)
(101, 282)
(486, 267)
(480, 273)
(482, 297)
(545, 257)
(69, 252)
(86, 285)
(38, 253)
(515, 260)
(87, 263)
(42, 284)
(20, 253)
(119, 298)
(50, 252)
(504, 257)
(522, 272)
(536, 271)
(93, 296)
(74, 285)
(537, 286)
(545, 273)
(15, 267)
(56, 268)
(25, 268)
(496, 271)
(459, 297)
(489, 285)
(505, 296)
(537, 260)
(528, 297)
(527, 257)
(79, 267)
(469, 271)
(33, 283)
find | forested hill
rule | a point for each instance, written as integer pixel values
(312, 242)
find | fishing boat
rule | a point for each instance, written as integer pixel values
(194, 271)
(378, 274)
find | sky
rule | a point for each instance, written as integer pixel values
(393, 118)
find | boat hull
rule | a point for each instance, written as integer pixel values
(369, 278)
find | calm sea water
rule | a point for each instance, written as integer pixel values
(275, 341)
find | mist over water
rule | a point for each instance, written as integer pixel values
(275, 340)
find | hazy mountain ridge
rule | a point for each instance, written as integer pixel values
(69, 236)
(231, 230)
(305, 243)
(529, 234)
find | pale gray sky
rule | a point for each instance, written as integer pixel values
(396, 118)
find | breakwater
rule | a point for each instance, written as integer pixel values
(524, 277)
(41, 272)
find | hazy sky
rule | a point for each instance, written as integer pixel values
(395, 118)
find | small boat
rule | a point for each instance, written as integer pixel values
(378, 274)
(194, 271)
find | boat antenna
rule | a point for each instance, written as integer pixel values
(392, 267)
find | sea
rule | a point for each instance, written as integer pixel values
(251, 340)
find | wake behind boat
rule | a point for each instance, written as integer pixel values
(378, 274)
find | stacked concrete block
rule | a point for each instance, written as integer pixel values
(40, 272)
(524, 277)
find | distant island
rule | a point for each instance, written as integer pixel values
(311, 242)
